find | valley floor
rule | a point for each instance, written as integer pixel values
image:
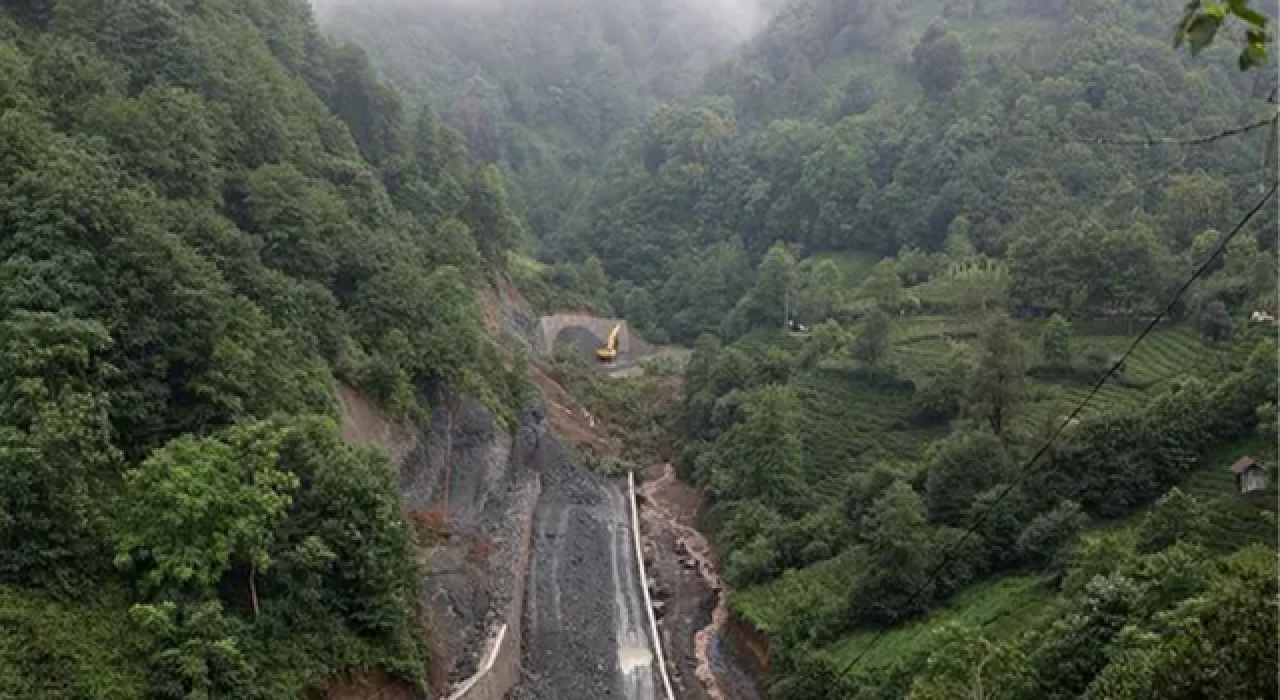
(585, 623)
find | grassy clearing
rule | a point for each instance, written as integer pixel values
(1002, 609)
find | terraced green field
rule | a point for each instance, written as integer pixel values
(921, 344)
(1001, 608)
(848, 425)
(915, 329)
(1236, 520)
(851, 423)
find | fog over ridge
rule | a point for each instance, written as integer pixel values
(743, 17)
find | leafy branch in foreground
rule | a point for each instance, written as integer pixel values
(1201, 21)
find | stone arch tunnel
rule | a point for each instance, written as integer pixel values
(585, 333)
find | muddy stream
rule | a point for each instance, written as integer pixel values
(669, 511)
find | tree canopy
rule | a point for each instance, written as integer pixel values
(209, 214)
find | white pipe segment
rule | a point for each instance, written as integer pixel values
(644, 586)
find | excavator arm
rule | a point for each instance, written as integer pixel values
(609, 351)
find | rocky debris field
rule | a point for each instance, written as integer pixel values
(584, 613)
(683, 603)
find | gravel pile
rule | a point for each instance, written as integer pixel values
(581, 340)
(571, 647)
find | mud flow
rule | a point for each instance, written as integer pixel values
(689, 594)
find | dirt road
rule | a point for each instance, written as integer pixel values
(585, 623)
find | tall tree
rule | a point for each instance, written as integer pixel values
(496, 228)
(55, 442)
(760, 458)
(1055, 342)
(961, 467)
(1176, 517)
(998, 380)
(897, 537)
(820, 292)
(1215, 322)
(966, 665)
(872, 342)
(940, 395)
(939, 60)
(883, 286)
(198, 508)
(773, 295)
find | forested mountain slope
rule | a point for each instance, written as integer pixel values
(544, 87)
(208, 213)
(876, 125)
(973, 207)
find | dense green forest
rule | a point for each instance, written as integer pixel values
(209, 213)
(904, 181)
(903, 239)
(870, 127)
(545, 88)
(968, 210)
(936, 129)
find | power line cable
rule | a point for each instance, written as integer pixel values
(1028, 468)
(1191, 141)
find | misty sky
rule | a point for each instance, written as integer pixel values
(744, 16)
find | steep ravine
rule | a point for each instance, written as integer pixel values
(689, 596)
(469, 549)
(530, 532)
(694, 597)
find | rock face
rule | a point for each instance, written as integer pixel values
(470, 488)
(477, 456)
(479, 540)
(514, 533)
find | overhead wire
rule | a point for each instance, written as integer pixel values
(1028, 467)
(1189, 141)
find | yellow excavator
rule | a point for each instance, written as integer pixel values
(609, 351)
